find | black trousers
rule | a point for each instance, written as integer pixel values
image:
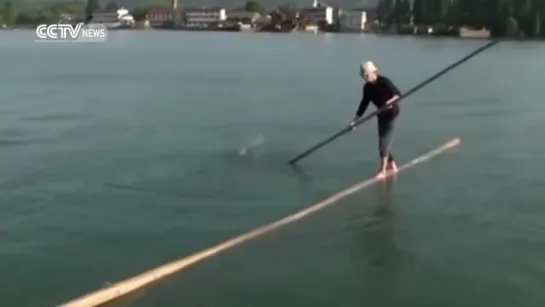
(386, 126)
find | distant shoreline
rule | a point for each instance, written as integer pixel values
(371, 33)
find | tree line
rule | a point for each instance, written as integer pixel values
(504, 18)
(44, 13)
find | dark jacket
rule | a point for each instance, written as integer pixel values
(379, 93)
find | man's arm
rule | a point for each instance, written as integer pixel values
(365, 100)
(394, 90)
(393, 99)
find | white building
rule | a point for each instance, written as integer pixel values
(243, 16)
(352, 21)
(205, 15)
(324, 15)
(118, 19)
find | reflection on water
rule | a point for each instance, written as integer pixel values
(378, 229)
(384, 193)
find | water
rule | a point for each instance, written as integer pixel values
(122, 156)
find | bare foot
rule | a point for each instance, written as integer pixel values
(393, 167)
(381, 174)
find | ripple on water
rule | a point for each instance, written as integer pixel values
(54, 117)
(20, 142)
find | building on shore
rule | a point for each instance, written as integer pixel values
(245, 19)
(118, 19)
(353, 21)
(204, 18)
(164, 18)
(324, 16)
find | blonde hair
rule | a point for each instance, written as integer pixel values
(368, 67)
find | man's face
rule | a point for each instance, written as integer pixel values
(367, 76)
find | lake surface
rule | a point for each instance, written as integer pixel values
(118, 157)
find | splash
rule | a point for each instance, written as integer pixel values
(252, 147)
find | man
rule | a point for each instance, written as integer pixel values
(382, 92)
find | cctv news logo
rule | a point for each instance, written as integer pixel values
(66, 33)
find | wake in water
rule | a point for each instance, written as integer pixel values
(252, 148)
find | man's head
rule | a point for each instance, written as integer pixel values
(368, 71)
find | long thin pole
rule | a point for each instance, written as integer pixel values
(411, 91)
(122, 288)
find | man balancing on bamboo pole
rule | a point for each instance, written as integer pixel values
(381, 91)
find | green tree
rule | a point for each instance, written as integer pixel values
(8, 13)
(419, 11)
(499, 24)
(511, 27)
(537, 24)
(287, 8)
(397, 14)
(452, 16)
(468, 12)
(478, 13)
(506, 8)
(37, 16)
(139, 12)
(385, 11)
(525, 16)
(443, 9)
(111, 7)
(254, 6)
(542, 15)
(92, 6)
(502, 17)
(427, 11)
(433, 13)
(402, 12)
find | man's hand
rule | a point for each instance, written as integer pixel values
(390, 103)
(352, 124)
